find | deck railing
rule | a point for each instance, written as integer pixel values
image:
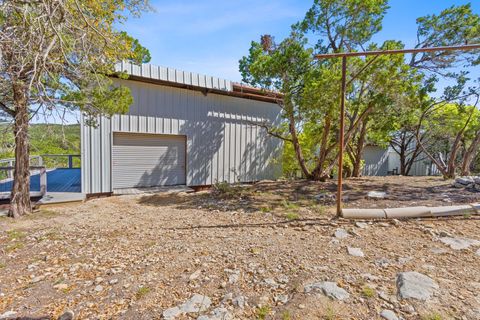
(50, 161)
(38, 181)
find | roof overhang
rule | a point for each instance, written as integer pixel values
(171, 77)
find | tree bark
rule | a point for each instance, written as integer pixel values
(357, 164)
(470, 155)
(20, 197)
(296, 144)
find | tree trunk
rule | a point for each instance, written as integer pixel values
(296, 144)
(357, 164)
(452, 161)
(470, 155)
(20, 198)
(403, 162)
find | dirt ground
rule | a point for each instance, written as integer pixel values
(250, 249)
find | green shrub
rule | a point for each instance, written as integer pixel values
(263, 312)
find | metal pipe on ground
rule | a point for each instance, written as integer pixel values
(412, 212)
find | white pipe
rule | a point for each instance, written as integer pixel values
(411, 212)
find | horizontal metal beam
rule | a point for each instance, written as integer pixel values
(399, 51)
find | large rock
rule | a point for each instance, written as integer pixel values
(464, 180)
(459, 243)
(414, 285)
(330, 289)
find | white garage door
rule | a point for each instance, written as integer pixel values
(147, 160)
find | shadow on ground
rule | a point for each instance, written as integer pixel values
(288, 197)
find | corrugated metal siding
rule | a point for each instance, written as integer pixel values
(376, 161)
(146, 160)
(150, 71)
(379, 161)
(223, 142)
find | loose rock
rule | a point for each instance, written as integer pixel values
(376, 195)
(356, 252)
(330, 289)
(341, 234)
(239, 301)
(171, 313)
(8, 315)
(67, 315)
(361, 225)
(459, 243)
(388, 315)
(197, 303)
(414, 285)
(217, 314)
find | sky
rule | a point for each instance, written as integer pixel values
(210, 36)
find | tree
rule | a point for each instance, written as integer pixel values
(452, 26)
(386, 95)
(60, 54)
(310, 87)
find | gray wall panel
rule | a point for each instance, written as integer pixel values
(223, 143)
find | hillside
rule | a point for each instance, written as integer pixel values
(44, 139)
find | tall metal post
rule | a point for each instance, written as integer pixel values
(344, 56)
(341, 136)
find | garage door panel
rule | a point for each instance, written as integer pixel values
(147, 160)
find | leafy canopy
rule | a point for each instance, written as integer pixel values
(60, 53)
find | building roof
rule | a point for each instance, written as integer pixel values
(194, 81)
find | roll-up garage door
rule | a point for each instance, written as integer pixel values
(147, 160)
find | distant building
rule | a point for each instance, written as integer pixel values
(385, 161)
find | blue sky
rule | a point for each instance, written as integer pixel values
(210, 36)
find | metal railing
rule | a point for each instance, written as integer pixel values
(55, 160)
(38, 181)
(50, 161)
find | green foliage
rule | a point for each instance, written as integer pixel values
(368, 292)
(330, 313)
(453, 26)
(432, 316)
(225, 189)
(351, 22)
(141, 292)
(45, 139)
(386, 94)
(15, 234)
(263, 312)
(286, 315)
(292, 216)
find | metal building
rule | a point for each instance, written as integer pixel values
(182, 129)
(380, 161)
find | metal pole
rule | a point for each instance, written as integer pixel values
(341, 136)
(467, 47)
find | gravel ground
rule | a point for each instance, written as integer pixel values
(250, 251)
